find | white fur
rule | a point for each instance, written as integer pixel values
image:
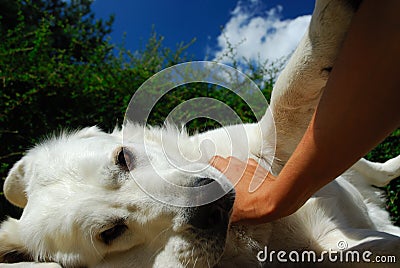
(71, 188)
(74, 192)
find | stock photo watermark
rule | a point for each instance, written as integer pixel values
(219, 76)
(341, 255)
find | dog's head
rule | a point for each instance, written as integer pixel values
(83, 207)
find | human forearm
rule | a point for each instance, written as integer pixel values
(358, 109)
(359, 105)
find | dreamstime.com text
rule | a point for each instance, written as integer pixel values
(334, 256)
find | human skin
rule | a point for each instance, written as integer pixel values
(357, 110)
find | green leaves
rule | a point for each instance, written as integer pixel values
(52, 54)
(388, 149)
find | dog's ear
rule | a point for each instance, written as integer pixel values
(15, 185)
(11, 247)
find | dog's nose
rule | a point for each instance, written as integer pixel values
(214, 215)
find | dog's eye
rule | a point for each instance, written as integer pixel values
(113, 233)
(124, 158)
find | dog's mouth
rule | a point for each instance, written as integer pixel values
(207, 231)
(213, 217)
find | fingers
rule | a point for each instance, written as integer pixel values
(216, 159)
(252, 162)
(219, 163)
(251, 182)
(222, 164)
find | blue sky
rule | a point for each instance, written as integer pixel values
(259, 28)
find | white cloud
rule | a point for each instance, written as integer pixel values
(256, 35)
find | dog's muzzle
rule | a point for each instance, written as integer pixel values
(215, 215)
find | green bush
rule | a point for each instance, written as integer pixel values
(58, 70)
(388, 149)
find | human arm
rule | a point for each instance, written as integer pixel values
(357, 109)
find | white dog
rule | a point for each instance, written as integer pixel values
(82, 208)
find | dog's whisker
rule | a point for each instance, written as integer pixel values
(195, 261)
(191, 256)
(91, 234)
(159, 234)
(155, 253)
(187, 263)
(154, 239)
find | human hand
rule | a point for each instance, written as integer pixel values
(259, 198)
